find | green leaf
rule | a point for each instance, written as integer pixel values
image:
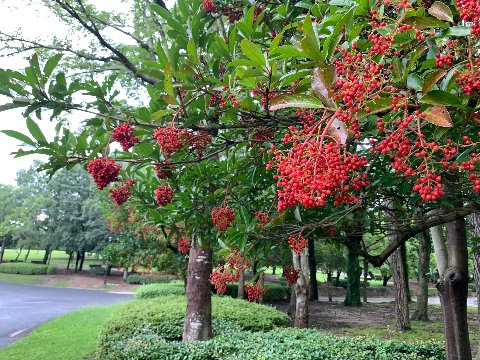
(19, 136)
(440, 97)
(253, 52)
(295, 101)
(36, 131)
(51, 64)
(192, 52)
(459, 31)
(13, 105)
(422, 22)
(168, 84)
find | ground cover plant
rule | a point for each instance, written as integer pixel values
(27, 269)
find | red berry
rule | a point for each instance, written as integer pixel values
(104, 171)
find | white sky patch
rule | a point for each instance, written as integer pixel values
(33, 21)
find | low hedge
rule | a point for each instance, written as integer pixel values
(156, 290)
(276, 291)
(98, 270)
(147, 279)
(272, 345)
(164, 318)
(27, 269)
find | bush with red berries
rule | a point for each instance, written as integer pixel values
(184, 245)
(297, 243)
(255, 292)
(123, 134)
(121, 194)
(291, 274)
(163, 195)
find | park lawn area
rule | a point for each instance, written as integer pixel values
(22, 279)
(59, 258)
(72, 336)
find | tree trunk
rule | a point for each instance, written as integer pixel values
(28, 254)
(241, 285)
(402, 314)
(337, 278)
(274, 269)
(385, 280)
(47, 254)
(403, 252)
(365, 280)
(125, 274)
(424, 249)
(352, 297)
(70, 257)
(77, 260)
(312, 264)
(2, 248)
(82, 260)
(329, 285)
(300, 262)
(198, 318)
(292, 305)
(453, 291)
(474, 221)
(19, 253)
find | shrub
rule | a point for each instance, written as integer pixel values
(26, 269)
(163, 318)
(146, 279)
(272, 345)
(276, 291)
(155, 290)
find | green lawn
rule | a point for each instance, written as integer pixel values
(59, 258)
(70, 337)
(21, 279)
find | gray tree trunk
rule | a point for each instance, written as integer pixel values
(352, 298)
(474, 221)
(402, 314)
(2, 247)
(300, 261)
(365, 280)
(453, 291)
(198, 317)
(424, 249)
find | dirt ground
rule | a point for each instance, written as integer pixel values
(84, 280)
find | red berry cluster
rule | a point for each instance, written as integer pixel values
(163, 195)
(470, 12)
(469, 79)
(209, 6)
(217, 98)
(313, 171)
(104, 171)
(220, 277)
(429, 187)
(164, 169)
(121, 194)
(291, 274)
(297, 243)
(262, 218)
(237, 262)
(255, 292)
(222, 217)
(171, 139)
(123, 134)
(184, 245)
(444, 60)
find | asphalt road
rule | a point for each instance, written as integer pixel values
(23, 307)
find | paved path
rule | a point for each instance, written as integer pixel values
(471, 301)
(23, 307)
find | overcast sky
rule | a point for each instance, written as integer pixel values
(33, 21)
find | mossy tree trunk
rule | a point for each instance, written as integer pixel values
(352, 298)
(198, 317)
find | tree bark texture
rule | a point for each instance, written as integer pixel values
(474, 221)
(70, 256)
(241, 285)
(402, 314)
(312, 264)
(365, 280)
(403, 252)
(329, 285)
(453, 291)
(352, 298)
(424, 249)
(77, 261)
(26, 256)
(82, 260)
(198, 318)
(300, 261)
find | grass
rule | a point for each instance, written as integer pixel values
(22, 279)
(73, 336)
(59, 258)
